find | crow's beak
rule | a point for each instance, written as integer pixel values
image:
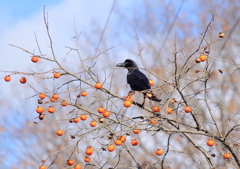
(120, 65)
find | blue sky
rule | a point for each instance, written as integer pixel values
(11, 12)
(21, 20)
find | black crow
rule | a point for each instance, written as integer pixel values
(137, 80)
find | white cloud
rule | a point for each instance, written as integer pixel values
(61, 24)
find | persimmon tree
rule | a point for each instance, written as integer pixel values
(109, 127)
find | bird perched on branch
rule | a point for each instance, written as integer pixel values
(137, 80)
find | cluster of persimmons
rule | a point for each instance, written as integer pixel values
(105, 114)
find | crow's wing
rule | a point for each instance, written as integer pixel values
(137, 80)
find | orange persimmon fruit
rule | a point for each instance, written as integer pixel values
(75, 119)
(203, 57)
(59, 132)
(118, 142)
(122, 138)
(111, 148)
(78, 166)
(64, 103)
(89, 150)
(42, 167)
(70, 162)
(129, 98)
(7, 78)
(210, 142)
(127, 103)
(156, 109)
(55, 96)
(98, 85)
(93, 124)
(42, 95)
(56, 74)
(23, 80)
(169, 110)
(159, 151)
(51, 109)
(134, 142)
(106, 113)
(39, 110)
(100, 110)
(34, 59)
(151, 82)
(227, 155)
(187, 109)
(83, 117)
(153, 121)
(84, 93)
(136, 131)
(87, 159)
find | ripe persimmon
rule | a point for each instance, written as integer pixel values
(203, 57)
(42, 95)
(153, 121)
(42, 167)
(111, 148)
(100, 110)
(70, 162)
(78, 166)
(34, 59)
(39, 110)
(75, 119)
(51, 109)
(134, 142)
(23, 80)
(55, 96)
(60, 132)
(52, 100)
(56, 74)
(118, 142)
(93, 124)
(106, 113)
(98, 85)
(210, 142)
(187, 109)
(122, 138)
(151, 82)
(84, 93)
(156, 109)
(227, 155)
(87, 159)
(127, 103)
(169, 110)
(136, 131)
(64, 103)
(129, 98)
(159, 151)
(89, 150)
(83, 117)
(7, 78)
